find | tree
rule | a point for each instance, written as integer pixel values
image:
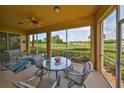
(57, 39)
(40, 41)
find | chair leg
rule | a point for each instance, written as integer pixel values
(49, 74)
(65, 74)
(84, 85)
(71, 83)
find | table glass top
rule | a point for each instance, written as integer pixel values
(51, 64)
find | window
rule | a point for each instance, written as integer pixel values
(14, 41)
(3, 41)
(109, 37)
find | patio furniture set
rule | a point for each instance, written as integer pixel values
(55, 64)
(63, 65)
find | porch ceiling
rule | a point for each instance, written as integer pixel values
(11, 16)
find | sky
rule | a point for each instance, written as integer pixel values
(76, 34)
(83, 33)
(109, 25)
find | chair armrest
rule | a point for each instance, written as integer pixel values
(79, 74)
(17, 85)
(26, 85)
(22, 85)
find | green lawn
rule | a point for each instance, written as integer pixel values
(82, 48)
(109, 48)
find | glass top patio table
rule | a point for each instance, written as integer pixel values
(52, 66)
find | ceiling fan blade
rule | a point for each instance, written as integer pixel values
(40, 24)
(33, 18)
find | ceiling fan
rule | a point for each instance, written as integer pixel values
(33, 21)
(36, 22)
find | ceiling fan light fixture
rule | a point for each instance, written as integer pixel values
(56, 9)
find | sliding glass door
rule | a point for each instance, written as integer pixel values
(113, 35)
(109, 48)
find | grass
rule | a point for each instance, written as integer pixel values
(109, 48)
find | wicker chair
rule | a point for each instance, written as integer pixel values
(77, 78)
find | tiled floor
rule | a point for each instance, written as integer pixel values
(94, 80)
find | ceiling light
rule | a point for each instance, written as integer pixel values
(57, 9)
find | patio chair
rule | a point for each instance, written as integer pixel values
(68, 56)
(40, 71)
(44, 83)
(77, 78)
